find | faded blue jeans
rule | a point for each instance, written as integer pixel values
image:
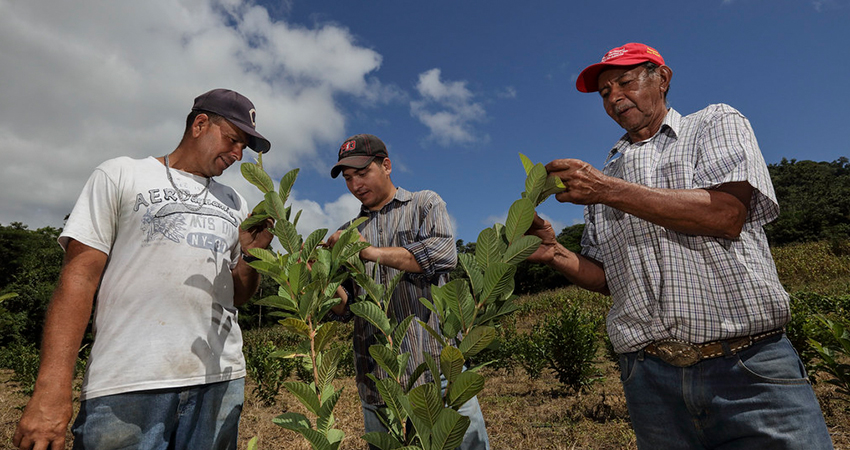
(188, 418)
(475, 437)
(759, 398)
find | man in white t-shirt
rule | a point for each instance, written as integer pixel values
(158, 241)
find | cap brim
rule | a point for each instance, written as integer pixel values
(256, 141)
(588, 79)
(355, 162)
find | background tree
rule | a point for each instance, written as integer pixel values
(30, 262)
(814, 201)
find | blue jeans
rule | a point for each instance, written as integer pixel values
(192, 417)
(475, 437)
(759, 398)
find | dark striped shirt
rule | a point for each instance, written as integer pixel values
(419, 222)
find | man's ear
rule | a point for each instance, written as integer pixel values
(666, 76)
(201, 120)
(387, 165)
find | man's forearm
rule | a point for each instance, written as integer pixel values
(246, 281)
(396, 257)
(705, 212)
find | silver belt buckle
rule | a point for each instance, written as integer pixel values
(678, 353)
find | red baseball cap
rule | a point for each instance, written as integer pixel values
(630, 54)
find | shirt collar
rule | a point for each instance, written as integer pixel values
(402, 195)
(671, 125)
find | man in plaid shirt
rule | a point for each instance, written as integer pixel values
(410, 232)
(674, 234)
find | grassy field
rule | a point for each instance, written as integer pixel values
(539, 413)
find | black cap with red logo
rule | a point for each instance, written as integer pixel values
(358, 151)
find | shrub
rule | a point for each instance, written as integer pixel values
(23, 359)
(834, 354)
(571, 340)
(804, 325)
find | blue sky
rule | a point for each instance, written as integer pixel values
(455, 89)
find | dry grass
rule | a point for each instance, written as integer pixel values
(521, 414)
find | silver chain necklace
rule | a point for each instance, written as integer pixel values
(183, 194)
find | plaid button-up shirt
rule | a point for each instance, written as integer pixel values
(419, 222)
(666, 284)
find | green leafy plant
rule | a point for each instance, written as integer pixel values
(835, 354)
(308, 275)
(571, 340)
(425, 416)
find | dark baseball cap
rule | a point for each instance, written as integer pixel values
(238, 110)
(630, 54)
(358, 151)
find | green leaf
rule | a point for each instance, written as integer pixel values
(467, 385)
(296, 326)
(534, 183)
(328, 403)
(401, 331)
(286, 184)
(473, 271)
(373, 314)
(305, 394)
(520, 249)
(316, 439)
(325, 334)
(447, 433)
(253, 220)
(275, 207)
(335, 438)
(385, 358)
(553, 185)
(487, 248)
(451, 363)
(526, 163)
(477, 340)
(257, 176)
(520, 216)
(292, 421)
(288, 236)
(327, 369)
(497, 278)
(276, 301)
(312, 242)
(426, 403)
(381, 440)
(393, 396)
(434, 333)
(456, 296)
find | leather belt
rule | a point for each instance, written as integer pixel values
(683, 354)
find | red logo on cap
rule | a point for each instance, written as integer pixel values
(347, 146)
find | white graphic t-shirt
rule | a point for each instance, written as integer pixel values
(164, 314)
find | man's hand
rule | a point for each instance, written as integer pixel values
(335, 238)
(258, 236)
(544, 254)
(44, 422)
(585, 184)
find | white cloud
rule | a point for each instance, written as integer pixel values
(447, 109)
(88, 80)
(508, 92)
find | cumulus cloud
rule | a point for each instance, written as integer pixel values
(447, 109)
(88, 80)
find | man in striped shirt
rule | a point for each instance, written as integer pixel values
(409, 232)
(674, 234)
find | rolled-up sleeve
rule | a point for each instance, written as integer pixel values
(434, 248)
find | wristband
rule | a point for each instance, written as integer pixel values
(249, 258)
